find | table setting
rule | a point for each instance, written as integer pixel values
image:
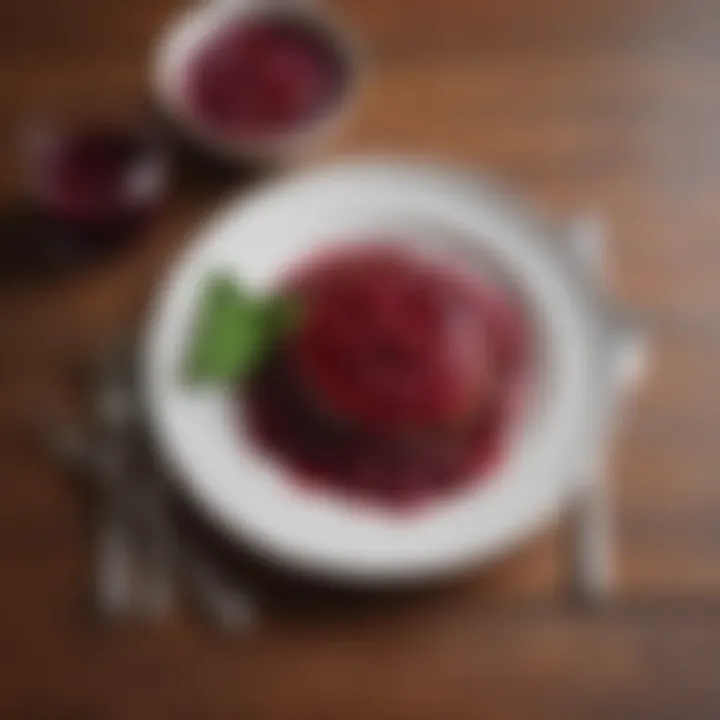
(385, 372)
(135, 523)
(251, 83)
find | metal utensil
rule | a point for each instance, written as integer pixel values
(156, 543)
(113, 553)
(136, 558)
(119, 406)
(590, 537)
(115, 559)
(592, 560)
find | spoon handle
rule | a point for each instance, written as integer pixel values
(157, 537)
(592, 566)
(591, 520)
(114, 571)
(115, 582)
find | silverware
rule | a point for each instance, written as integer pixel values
(136, 545)
(156, 544)
(114, 561)
(113, 584)
(116, 557)
(591, 565)
(119, 413)
(592, 561)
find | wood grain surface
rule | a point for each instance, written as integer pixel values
(584, 105)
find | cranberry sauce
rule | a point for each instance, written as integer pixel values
(99, 181)
(400, 383)
(264, 75)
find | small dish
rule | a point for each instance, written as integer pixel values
(101, 178)
(256, 239)
(189, 39)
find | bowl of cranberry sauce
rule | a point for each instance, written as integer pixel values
(98, 181)
(255, 80)
(401, 382)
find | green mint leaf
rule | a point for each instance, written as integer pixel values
(235, 331)
(218, 345)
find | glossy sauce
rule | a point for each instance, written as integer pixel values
(401, 382)
(264, 76)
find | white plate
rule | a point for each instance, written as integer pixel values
(245, 494)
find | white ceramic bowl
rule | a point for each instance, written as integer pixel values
(246, 495)
(188, 32)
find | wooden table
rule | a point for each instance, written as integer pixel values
(606, 105)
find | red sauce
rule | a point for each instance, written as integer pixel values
(265, 75)
(401, 381)
(98, 183)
